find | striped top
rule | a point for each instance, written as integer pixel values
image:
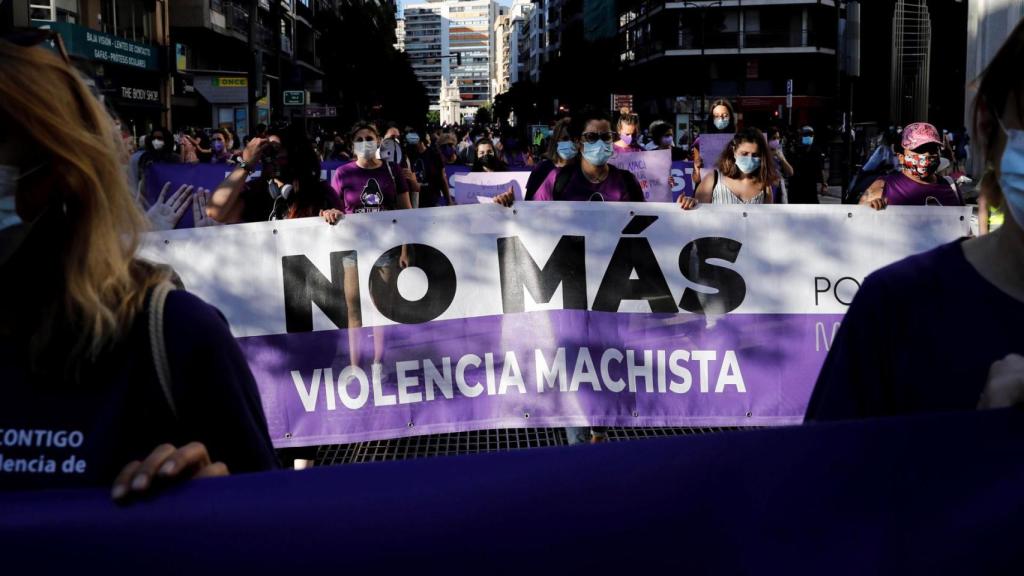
(722, 195)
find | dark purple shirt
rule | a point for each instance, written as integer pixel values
(920, 336)
(900, 190)
(619, 186)
(368, 190)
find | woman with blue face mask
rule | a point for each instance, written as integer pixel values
(744, 174)
(904, 347)
(722, 121)
(592, 178)
(561, 151)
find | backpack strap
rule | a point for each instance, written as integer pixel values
(158, 345)
(562, 180)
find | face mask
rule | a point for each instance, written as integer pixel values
(774, 144)
(567, 150)
(597, 153)
(218, 146)
(365, 150)
(923, 165)
(748, 164)
(412, 139)
(666, 141)
(1011, 174)
(721, 123)
(627, 139)
(807, 140)
(158, 144)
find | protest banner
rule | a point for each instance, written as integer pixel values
(683, 183)
(207, 176)
(711, 148)
(474, 187)
(652, 170)
(548, 314)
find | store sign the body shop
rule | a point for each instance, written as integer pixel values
(92, 45)
(140, 94)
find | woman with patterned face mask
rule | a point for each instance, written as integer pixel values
(917, 182)
(903, 347)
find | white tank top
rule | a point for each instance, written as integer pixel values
(722, 195)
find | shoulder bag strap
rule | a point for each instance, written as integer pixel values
(157, 343)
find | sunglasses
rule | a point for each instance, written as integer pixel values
(591, 137)
(31, 37)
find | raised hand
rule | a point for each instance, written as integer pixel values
(165, 213)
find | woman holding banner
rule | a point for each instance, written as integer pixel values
(744, 174)
(110, 375)
(902, 348)
(369, 185)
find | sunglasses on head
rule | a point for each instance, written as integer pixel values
(31, 37)
(591, 137)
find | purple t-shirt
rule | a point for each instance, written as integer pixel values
(619, 186)
(900, 190)
(368, 190)
(920, 336)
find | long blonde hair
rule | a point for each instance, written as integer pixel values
(104, 286)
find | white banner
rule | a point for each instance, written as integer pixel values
(785, 254)
(478, 187)
(546, 314)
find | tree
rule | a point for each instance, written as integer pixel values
(380, 87)
(433, 117)
(483, 116)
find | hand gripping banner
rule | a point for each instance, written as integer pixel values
(546, 314)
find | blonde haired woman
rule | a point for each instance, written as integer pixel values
(84, 402)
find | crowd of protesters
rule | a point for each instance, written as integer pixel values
(96, 338)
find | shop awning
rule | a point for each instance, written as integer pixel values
(223, 89)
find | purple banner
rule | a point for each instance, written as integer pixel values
(552, 368)
(207, 176)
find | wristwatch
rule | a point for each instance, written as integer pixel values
(245, 165)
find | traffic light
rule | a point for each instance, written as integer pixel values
(458, 58)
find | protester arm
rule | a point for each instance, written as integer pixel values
(226, 204)
(982, 215)
(703, 192)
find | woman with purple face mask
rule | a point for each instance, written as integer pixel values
(628, 128)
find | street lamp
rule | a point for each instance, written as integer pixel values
(703, 7)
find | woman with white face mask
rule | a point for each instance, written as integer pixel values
(904, 347)
(744, 175)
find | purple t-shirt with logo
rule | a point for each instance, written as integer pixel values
(368, 190)
(900, 190)
(619, 186)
